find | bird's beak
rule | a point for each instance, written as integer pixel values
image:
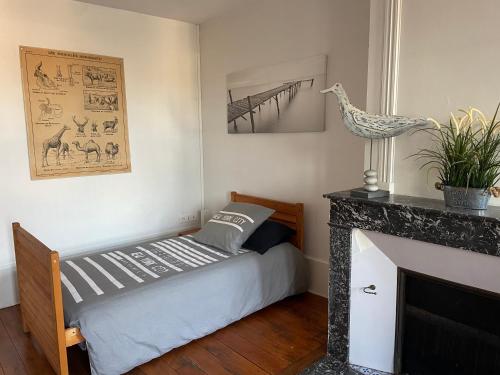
(326, 91)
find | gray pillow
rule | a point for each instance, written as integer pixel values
(230, 228)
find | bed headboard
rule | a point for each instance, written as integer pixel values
(290, 214)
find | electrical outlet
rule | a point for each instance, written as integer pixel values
(188, 218)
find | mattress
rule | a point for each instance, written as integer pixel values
(187, 291)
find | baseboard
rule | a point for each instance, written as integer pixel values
(8, 286)
(318, 276)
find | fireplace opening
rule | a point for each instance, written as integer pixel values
(444, 328)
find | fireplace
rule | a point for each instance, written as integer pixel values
(462, 320)
(445, 328)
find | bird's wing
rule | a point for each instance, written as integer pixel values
(386, 122)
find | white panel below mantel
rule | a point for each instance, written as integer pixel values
(372, 320)
(375, 260)
(460, 266)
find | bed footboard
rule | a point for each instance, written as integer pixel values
(39, 282)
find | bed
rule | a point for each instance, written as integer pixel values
(151, 320)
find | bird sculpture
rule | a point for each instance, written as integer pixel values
(372, 126)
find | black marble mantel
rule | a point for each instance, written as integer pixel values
(419, 219)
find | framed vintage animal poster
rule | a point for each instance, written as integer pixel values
(76, 115)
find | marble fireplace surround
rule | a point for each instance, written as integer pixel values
(412, 218)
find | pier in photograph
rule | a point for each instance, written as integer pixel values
(239, 108)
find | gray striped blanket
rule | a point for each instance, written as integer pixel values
(97, 276)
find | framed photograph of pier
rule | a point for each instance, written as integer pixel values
(280, 98)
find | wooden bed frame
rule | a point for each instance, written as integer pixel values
(39, 282)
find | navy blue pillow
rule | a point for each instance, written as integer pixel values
(267, 235)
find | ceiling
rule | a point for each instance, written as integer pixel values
(193, 11)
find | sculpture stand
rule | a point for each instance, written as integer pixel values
(362, 193)
(371, 188)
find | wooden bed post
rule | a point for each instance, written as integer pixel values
(40, 295)
(16, 226)
(59, 312)
(300, 225)
(233, 196)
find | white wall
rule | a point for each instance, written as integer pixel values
(161, 76)
(291, 167)
(449, 60)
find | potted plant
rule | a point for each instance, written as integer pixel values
(466, 155)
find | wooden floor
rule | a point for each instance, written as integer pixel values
(281, 339)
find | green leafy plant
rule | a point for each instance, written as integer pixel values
(466, 151)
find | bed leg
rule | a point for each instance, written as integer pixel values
(23, 323)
